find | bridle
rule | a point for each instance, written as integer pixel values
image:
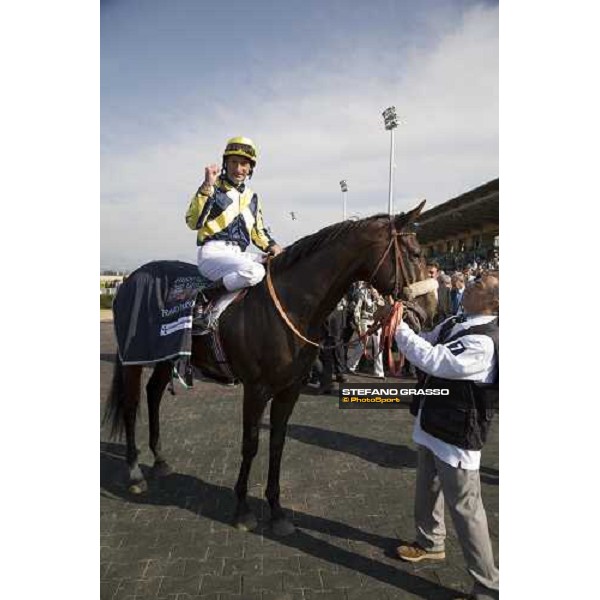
(398, 264)
(398, 260)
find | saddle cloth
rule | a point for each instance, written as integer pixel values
(154, 309)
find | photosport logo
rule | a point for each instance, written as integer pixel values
(364, 395)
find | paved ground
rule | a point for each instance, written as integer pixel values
(347, 477)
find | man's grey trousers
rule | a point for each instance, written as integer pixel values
(438, 482)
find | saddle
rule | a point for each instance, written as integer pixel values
(211, 301)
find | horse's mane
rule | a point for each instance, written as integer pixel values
(311, 243)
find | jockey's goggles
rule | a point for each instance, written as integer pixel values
(241, 150)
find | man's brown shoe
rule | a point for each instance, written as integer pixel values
(414, 553)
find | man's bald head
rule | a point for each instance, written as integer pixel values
(482, 296)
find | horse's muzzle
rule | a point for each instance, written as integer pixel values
(419, 288)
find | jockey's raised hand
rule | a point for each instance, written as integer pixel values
(211, 172)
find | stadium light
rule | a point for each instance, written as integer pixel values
(390, 121)
(344, 186)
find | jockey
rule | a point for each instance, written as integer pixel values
(227, 215)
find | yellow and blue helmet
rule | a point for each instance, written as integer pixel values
(241, 146)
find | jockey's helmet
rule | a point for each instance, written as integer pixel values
(241, 146)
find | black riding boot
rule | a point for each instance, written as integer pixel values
(214, 290)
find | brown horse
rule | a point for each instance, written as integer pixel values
(269, 358)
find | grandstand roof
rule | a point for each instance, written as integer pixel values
(470, 211)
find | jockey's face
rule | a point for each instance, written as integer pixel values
(238, 168)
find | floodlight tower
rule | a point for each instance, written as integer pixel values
(390, 121)
(344, 186)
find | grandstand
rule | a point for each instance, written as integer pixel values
(463, 229)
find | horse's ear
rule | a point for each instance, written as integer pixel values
(411, 216)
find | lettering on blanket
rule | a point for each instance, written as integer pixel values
(173, 310)
(183, 288)
(169, 328)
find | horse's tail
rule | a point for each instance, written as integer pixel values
(113, 412)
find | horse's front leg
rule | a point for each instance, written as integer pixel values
(281, 408)
(154, 392)
(255, 400)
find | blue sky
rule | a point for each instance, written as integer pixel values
(308, 82)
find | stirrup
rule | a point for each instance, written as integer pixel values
(201, 312)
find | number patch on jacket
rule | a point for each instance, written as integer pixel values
(456, 347)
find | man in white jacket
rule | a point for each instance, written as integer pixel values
(460, 354)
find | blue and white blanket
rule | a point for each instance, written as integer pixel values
(153, 312)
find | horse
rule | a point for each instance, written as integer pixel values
(269, 339)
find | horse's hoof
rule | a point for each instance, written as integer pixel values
(161, 469)
(246, 522)
(282, 527)
(139, 487)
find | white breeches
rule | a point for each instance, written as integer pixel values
(238, 269)
(355, 351)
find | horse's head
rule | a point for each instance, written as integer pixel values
(396, 258)
(399, 267)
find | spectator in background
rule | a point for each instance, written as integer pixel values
(351, 298)
(456, 293)
(444, 308)
(468, 275)
(329, 353)
(367, 304)
(433, 270)
(335, 328)
(443, 292)
(330, 360)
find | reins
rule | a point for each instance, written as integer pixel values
(280, 308)
(398, 264)
(288, 322)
